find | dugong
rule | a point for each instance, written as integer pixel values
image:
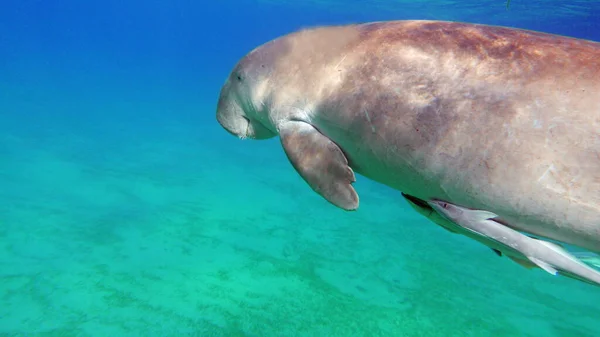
(484, 117)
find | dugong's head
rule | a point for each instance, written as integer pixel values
(271, 83)
(244, 107)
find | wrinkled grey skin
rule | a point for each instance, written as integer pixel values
(488, 118)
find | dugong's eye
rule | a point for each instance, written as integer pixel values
(239, 78)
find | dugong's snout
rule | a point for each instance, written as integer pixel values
(237, 121)
(232, 119)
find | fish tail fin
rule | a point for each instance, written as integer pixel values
(591, 259)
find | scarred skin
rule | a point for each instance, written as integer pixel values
(484, 117)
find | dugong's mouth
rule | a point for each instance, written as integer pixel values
(234, 123)
(241, 129)
(246, 132)
(244, 127)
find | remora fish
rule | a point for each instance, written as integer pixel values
(523, 249)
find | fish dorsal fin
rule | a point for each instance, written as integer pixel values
(478, 215)
(552, 245)
(543, 265)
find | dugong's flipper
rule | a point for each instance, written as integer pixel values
(518, 246)
(320, 162)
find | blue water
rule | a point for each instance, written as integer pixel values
(125, 209)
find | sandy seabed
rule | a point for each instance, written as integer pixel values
(187, 233)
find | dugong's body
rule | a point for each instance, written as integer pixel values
(484, 117)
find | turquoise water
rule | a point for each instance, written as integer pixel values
(125, 209)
